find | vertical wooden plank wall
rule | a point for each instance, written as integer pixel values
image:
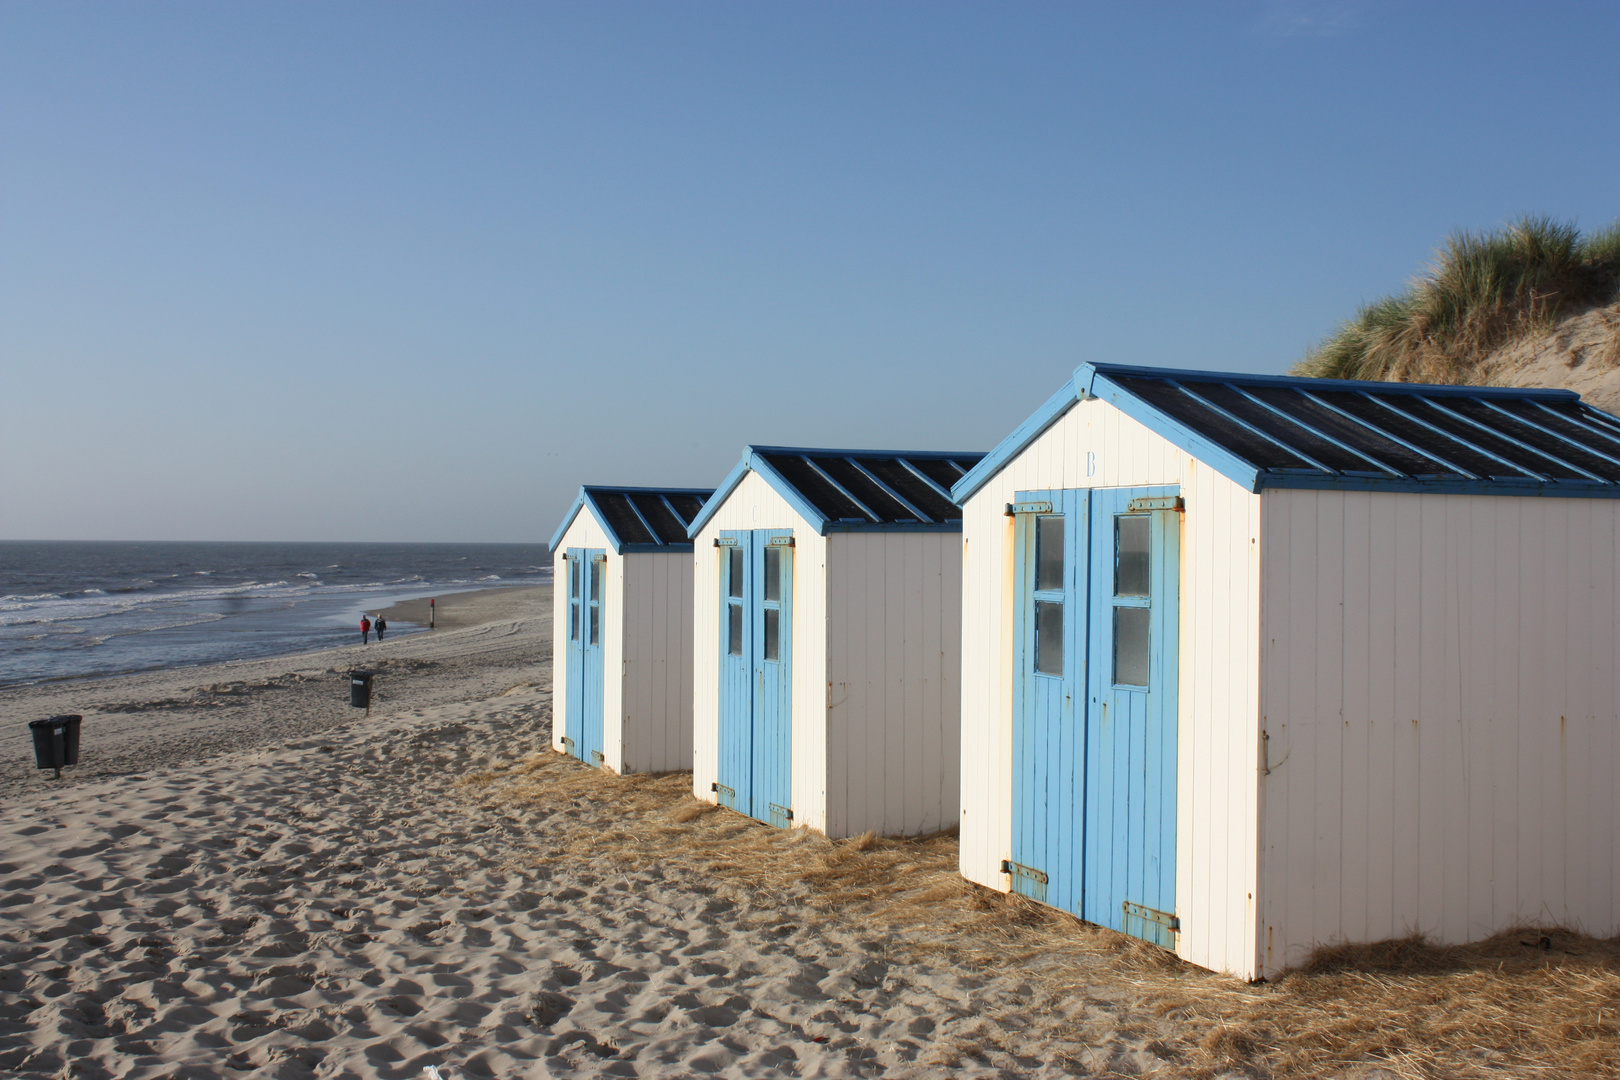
(657, 714)
(1439, 681)
(754, 504)
(1095, 445)
(586, 532)
(894, 640)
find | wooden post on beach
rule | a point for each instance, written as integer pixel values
(431, 612)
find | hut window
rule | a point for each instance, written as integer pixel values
(1131, 539)
(1048, 637)
(735, 582)
(1130, 646)
(773, 574)
(734, 632)
(773, 632)
(1048, 553)
(598, 567)
(573, 599)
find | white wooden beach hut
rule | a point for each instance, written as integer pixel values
(622, 637)
(828, 631)
(1256, 664)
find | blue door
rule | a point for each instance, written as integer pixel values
(1049, 694)
(1094, 722)
(755, 774)
(582, 730)
(1131, 744)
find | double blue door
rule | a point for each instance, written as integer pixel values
(1097, 577)
(755, 767)
(582, 729)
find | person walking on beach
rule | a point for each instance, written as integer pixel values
(382, 624)
(365, 630)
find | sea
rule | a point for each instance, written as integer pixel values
(76, 609)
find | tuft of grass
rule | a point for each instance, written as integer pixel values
(1482, 291)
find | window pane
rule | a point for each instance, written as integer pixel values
(773, 629)
(1130, 646)
(1049, 553)
(596, 579)
(773, 573)
(1048, 638)
(1131, 556)
(573, 578)
(734, 611)
(596, 625)
(734, 555)
(573, 621)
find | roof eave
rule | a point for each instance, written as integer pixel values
(1010, 447)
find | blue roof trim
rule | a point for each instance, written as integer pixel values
(568, 519)
(1219, 458)
(654, 549)
(727, 486)
(753, 460)
(1100, 381)
(586, 498)
(1014, 444)
(801, 506)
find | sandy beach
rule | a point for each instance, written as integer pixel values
(246, 877)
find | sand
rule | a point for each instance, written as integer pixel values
(247, 877)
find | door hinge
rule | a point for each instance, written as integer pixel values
(597, 758)
(1167, 502)
(719, 787)
(1142, 911)
(725, 541)
(1028, 508)
(781, 541)
(568, 742)
(784, 811)
(1010, 867)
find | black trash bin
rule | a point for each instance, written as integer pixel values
(56, 742)
(360, 689)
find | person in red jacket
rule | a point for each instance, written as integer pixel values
(365, 630)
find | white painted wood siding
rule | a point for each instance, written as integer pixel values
(754, 504)
(1095, 445)
(1439, 681)
(586, 532)
(657, 717)
(894, 639)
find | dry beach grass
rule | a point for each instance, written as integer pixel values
(1525, 1002)
(271, 886)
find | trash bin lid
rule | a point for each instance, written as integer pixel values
(54, 721)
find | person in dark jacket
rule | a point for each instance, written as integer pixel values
(382, 624)
(365, 630)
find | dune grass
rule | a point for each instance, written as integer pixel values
(1527, 1002)
(1482, 291)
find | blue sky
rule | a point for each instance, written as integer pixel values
(404, 271)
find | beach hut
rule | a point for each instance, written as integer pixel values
(622, 653)
(1256, 664)
(828, 636)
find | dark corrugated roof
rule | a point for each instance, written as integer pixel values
(1276, 431)
(873, 487)
(1394, 430)
(640, 518)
